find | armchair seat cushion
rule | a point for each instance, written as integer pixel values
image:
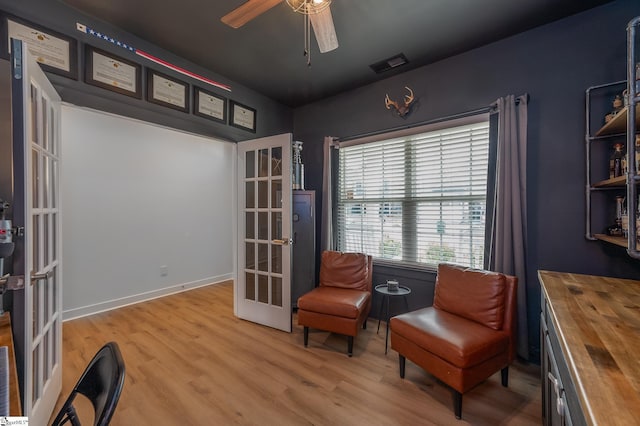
(336, 301)
(463, 343)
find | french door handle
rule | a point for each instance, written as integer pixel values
(43, 276)
(282, 242)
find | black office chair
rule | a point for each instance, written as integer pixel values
(101, 383)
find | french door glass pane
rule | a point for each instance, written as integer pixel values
(263, 288)
(46, 187)
(34, 114)
(263, 226)
(54, 181)
(250, 255)
(45, 242)
(276, 291)
(56, 327)
(276, 225)
(263, 163)
(36, 243)
(36, 380)
(53, 129)
(263, 194)
(250, 164)
(36, 312)
(46, 300)
(276, 259)
(276, 161)
(45, 124)
(250, 195)
(250, 218)
(276, 194)
(54, 289)
(45, 356)
(54, 237)
(35, 176)
(250, 286)
(263, 259)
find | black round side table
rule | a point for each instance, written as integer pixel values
(386, 297)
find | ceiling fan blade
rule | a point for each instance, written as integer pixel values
(245, 13)
(322, 23)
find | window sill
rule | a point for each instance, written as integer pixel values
(398, 264)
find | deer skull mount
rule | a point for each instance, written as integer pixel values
(401, 110)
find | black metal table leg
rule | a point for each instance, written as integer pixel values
(386, 294)
(386, 338)
(380, 312)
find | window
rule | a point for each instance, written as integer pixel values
(418, 198)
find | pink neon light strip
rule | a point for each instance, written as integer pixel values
(181, 70)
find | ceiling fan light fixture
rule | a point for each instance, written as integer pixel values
(308, 7)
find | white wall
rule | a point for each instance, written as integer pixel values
(136, 197)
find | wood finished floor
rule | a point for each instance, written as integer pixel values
(189, 361)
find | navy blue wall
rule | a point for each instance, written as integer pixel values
(272, 117)
(554, 64)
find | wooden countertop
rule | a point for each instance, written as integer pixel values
(6, 339)
(598, 324)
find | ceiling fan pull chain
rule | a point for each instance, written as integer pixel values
(307, 39)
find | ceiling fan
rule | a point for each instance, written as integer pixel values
(317, 12)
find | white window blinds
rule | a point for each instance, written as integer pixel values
(416, 199)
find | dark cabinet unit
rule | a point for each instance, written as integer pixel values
(303, 270)
(589, 341)
(557, 386)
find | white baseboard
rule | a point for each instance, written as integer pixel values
(142, 297)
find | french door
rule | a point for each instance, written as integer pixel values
(263, 272)
(36, 151)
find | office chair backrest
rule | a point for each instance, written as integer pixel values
(101, 383)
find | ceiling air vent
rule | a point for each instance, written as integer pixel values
(387, 64)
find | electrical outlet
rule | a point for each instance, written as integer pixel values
(164, 270)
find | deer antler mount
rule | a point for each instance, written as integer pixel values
(401, 109)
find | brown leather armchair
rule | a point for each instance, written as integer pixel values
(467, 335)
(342, 301)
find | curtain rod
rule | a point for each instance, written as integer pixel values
(421, 123)
(489, 109)
(525, 97)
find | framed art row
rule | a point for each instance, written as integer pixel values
(111, 72)
(242, 116)
(167, 91)
(209, 105)
(56, 53)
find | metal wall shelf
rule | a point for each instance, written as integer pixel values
(620, 126)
